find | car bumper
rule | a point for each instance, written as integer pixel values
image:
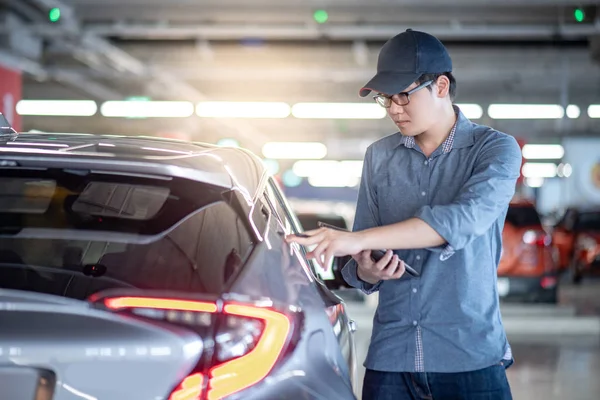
(535, 289)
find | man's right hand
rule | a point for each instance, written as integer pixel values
(389, 267)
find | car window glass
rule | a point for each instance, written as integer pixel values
(588, 221)
(521, 216)
(194, 242)
(295, 226)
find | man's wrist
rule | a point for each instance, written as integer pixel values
(362, 278)
(362, 238)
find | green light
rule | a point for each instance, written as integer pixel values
(321, 16)
(54, 14)
(579, 15)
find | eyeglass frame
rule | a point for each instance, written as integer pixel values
(407, 94)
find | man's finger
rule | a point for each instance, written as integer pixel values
(317, 252)
(328, 258)
(385, 260)
(310, 240)
(389, 269)
(399, 270)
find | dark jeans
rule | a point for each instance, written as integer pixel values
(484, 384)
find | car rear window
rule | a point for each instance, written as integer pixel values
(589, 221)
(520, 216)
(74, 234)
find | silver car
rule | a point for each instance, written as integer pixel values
(140, 268)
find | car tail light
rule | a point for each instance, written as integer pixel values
(245, 371)
(189, 389)
(548, 282)
(249, 340)
(537, 238)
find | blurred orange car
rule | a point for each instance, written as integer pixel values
(577, 236)
(528, 269)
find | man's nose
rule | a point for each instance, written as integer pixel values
(396, 109)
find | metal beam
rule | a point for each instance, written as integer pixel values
(168, 84)
(76, 80)
(268, 4)
(337, 32)
(480, 72)
(20, 63)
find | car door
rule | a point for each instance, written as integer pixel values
(342, 325)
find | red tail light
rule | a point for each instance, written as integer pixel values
(548, 282)
(248, 343)
(241, 373)
(537, 238)
(189, 389)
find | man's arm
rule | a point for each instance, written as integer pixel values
(367, 216)
(479, 204)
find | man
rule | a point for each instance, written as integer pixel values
(437, 193)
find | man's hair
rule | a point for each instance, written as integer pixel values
(434, 77)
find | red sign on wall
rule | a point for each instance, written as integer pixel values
(10, 94)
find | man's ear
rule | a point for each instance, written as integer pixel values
(442, 86)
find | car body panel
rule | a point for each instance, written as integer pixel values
(528, 265)
(578, 239)
(320, 365)
(91, 352)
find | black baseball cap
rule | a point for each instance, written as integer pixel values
(404, 58)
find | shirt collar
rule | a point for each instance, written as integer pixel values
(460, 136)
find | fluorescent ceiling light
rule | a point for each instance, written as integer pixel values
(539, 170)
(58, 108)
(231, 109)
(594, 111)
(147, 109)
(534, 182)
(333, 181)
(564, 170)
(573, 111)
(526, 111)
(297, 150)
(471, 111)
(338, 111)
(308, 168)
(543, 151)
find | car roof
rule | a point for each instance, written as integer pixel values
(231, 168)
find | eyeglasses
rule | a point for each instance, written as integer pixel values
(401, 99)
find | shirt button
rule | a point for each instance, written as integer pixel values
(415, 323)
(418, 257)
(414, 290)
(426, 162)
(423, 193)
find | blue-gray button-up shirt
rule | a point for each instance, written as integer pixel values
(447, 320)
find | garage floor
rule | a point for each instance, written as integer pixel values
(549, 367)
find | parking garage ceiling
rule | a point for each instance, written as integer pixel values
(532, 52)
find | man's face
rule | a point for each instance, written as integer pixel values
(420, 114)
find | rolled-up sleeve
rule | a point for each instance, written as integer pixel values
(367, 216)
(483, 198)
